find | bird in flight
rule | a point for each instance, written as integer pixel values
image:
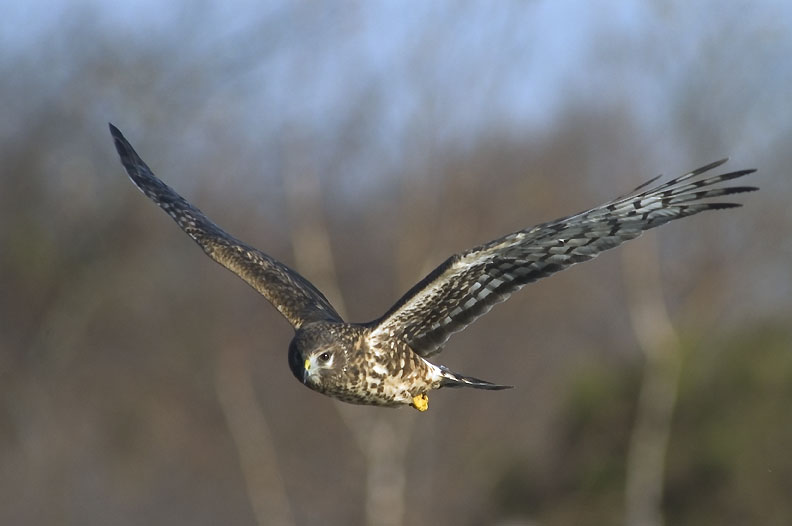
(385, 362)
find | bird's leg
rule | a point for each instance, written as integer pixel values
(421, 402)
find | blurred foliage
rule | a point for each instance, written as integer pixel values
(584, 481)
(727, 462)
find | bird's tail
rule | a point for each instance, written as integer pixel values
(452, 379)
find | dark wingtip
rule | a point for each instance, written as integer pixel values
(723, 206)
(742, 189)
(738, 173)
(118, 137)
(712, 165)
(125, 151)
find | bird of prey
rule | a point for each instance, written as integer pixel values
(385, 362)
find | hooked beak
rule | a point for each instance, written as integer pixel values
(306, 367)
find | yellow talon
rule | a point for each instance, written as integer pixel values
(420, 402)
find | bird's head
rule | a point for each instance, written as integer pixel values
(318, 356)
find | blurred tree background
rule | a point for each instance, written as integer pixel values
(362, 143)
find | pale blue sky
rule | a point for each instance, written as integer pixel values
(466, 66)
(554, 45)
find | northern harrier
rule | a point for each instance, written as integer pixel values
(384, 362)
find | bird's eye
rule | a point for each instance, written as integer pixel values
(324, 357)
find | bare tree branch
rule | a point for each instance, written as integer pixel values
(660, 343)
(258, 457)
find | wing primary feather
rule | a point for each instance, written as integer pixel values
(469, 284)
(293, 295)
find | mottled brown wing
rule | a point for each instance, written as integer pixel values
(467, 285)
(294, 296)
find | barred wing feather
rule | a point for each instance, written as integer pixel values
(469, 284)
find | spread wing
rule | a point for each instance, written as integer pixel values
(467, 285)
(293, 295)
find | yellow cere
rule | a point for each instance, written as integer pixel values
(307, 364)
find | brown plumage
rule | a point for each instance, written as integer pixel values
(383, 362)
